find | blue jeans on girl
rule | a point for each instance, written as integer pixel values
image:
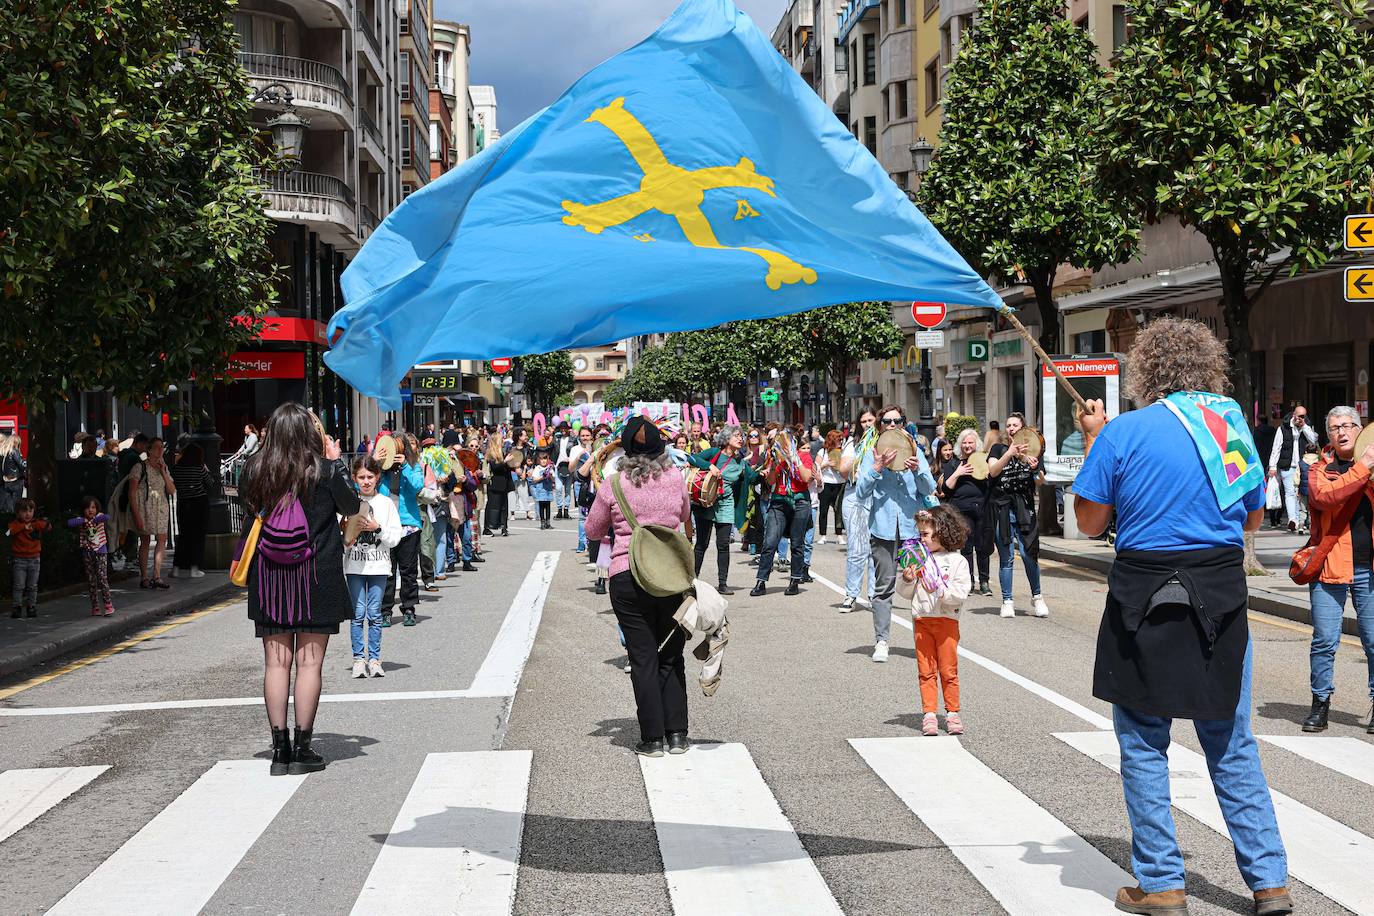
(366, 592)
(1006, 557)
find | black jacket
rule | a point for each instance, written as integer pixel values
(1174, 634)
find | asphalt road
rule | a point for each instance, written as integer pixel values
(445, 795)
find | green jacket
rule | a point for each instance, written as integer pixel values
(740, 490)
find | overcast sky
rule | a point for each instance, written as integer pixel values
(532, 50)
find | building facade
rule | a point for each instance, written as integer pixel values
(594, 368)
(485, 129)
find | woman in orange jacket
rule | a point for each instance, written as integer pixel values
(1339, 477)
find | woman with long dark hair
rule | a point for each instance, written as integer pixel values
(297, 596)
(193, 483)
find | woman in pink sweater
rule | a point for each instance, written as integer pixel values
(656, 495)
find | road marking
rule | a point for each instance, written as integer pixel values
(498, 676)
(26, 795)
(1323, 853)
(500, 671)
(1058, 699)
(103, 654)
(1347, 756)
(455, 845)
(1026, 858)
(179, 859)
(726, 845)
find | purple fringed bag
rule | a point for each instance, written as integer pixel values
(286, 564)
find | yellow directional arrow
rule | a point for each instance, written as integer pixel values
(1359, 284)
(1359, 232)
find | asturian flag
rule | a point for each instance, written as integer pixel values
(692, 180)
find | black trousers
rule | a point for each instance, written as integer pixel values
(658, 677)
(497, 514)
(704, 520)
(405, 558)
(193, 517)
(786, 518)
(979, 543)
(545, 509)
(832, 496)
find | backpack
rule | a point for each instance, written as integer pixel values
(286, 563)
(705, 487)
(661, 558)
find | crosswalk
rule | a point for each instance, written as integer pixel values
(725, 842)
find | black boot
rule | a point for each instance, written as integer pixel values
(505, 532)
(281, 751)
(600, 587)
(759, 588)
(1316, 719)
(303, 759)
(806, 575)
(468, 567)
(725, 589)
(793, 587)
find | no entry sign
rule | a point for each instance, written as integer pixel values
(928, 314)
(501, 365)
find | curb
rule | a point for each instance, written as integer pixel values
(104, 629)
(1262, 600)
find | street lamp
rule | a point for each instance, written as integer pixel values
(288, 128)
(921, 154)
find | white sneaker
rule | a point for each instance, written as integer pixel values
(627, 667)
(880, 651)
(820, 540)
(1041, 608)
(359, 668)
(197, 572)
(374, 668)
(847, 606)
(1008, 608)
(176, 572)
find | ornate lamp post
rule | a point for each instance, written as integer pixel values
(921, 154)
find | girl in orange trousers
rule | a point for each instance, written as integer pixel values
(936, 596)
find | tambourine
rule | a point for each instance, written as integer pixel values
(468, 458)
(834, 455)
(1365, 440)
(387, 451)
(1030, 437)
(978, 461)
(353, 525)
(514, 459)
(1310, 458)
(899, 441)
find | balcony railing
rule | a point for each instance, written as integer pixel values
(368, 218)
(365, 25)
(326, 80)
(370, 127)
(306, 184)
(445, 85)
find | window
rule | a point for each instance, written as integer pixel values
(1121, 27)
(841, 57)
(932, 84)
(1090, 342)
(854, 55)
(406, 189)
(405, 74)
(405, 21)
(854, 129)
(930, 7)
(600, 364)
(870, 59)
(887, 107)
(871, 134)
(1082, 23)
(899, 10)
(405, 142)
(435, 152)
(903, 101)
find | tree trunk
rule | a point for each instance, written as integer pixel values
(1253, 566)
(1235, 309)
(1042, 281)
(42, 483)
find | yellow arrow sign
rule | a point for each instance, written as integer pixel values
(1359, 284)
(1359, 232)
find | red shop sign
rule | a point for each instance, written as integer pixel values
(267, 365)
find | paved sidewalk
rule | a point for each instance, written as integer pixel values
(64, 624)
(1273, 594)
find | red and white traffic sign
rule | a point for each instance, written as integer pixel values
(928, 314)
(500, 365)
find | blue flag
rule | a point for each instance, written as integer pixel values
(692, 180)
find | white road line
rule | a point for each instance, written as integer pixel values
(26, 795)
(455, 845)
(179, 859)
(498, 676)
(726, 845)
(1348, 756)
(500, 671)
(1097, 720)
(1322, 853)
(1028, 860)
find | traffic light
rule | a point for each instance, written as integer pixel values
(806, 387)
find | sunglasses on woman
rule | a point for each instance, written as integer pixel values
(891, 421)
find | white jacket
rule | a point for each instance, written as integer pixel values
(370, 555)
(939, 604)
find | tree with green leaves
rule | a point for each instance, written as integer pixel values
(546, 377)
(1249, 122)
(1014, 184)
(133, 241)
(838, 336)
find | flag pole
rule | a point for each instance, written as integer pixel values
(1006, 312)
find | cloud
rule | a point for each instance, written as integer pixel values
(532, 50)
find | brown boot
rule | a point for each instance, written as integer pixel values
(1273, 902)
(1164, 903)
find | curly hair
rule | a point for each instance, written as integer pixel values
(950, 528)
(1175, 354)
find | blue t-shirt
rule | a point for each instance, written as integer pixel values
(1146, 465)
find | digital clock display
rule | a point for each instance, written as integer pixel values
(437, 382)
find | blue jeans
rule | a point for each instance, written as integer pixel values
(785, 545)
(1234, 763)
(562, 493)
(442, 538)
(858, 557)
(366, 592)
(1006, 559)
(465, 539)
(25, 573)
(581, 518)
(785, 517)
(1328, 606)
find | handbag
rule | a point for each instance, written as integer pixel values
(661, 558)
(243, 556)
(1307, 563)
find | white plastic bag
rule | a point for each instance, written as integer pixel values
(1273, 495)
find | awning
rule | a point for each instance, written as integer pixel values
(457, 400)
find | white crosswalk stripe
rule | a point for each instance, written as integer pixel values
(1322, 853)
(179, 859)
(1348, 756)
(726, 845)
(455, 845)
(1026, 858)
(26, 795)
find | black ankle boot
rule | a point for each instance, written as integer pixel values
(1316, 719)
(793, 587)
(281, 751)
(725, 589)
(303, 759)
(600, 587)
(758, 589)
(806, 575)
